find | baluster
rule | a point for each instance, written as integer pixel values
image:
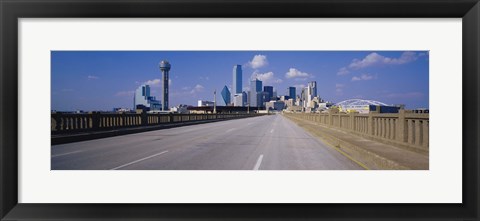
(410, 131)
(418, 135)
(392, 129)
(425, 134)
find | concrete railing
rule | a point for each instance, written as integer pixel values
(68, 123)
(409, 129)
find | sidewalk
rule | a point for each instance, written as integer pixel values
(374, 155)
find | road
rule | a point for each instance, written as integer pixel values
(259, 143)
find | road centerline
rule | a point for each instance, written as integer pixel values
(136, 161)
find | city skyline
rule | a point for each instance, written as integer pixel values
(90, 80)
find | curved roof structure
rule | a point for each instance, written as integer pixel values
(358, 105)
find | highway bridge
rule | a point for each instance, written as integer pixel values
(270, 142)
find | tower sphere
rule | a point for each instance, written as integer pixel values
(164, 66)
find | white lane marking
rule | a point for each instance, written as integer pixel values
(259, 161)
(271, 131)
(63, 154)
(136, 161)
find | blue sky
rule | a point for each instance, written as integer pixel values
(102, 80)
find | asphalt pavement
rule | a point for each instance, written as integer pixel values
(260, 143)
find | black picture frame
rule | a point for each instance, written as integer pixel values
(12, 10)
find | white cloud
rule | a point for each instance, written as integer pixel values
(258, 61)
(343, 71)
(363, 77)
(188, 91)
(266, 78)
(294, 73)
(125, 93)
(157, 82)
(153, 83)
(374, 58)
(197, 89)
(92, 77)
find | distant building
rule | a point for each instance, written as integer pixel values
(121, 110)
(298, 101)
(237, 79)
(311, 93)
(202, 103)
(244, 98)
(165, 69)
(284, 98)
(256, 99)
(365, 106)
(238, 99)
(142, 98)
(181, 109)
(292, 92)
(256, 85)
(295, 109)
(226, 95)
(384, 109)
(256, 94)
(324, 106)
(275, 105)
(268, 90)
(290, 102)
(312, 86)
(303, 97)
(219, 109)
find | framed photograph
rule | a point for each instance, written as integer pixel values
(239, 110)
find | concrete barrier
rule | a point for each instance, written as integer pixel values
(406, 129)
(89, 122)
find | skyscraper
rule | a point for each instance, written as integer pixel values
(269, 93)
(237, 79)
(226, 95)
(238, 100)
(312, 88)
(292, 92)
(303, 97)
(256, 85)
(165, 68)
(142, 97)
(256, 93)
(244, 98)
(311, 92)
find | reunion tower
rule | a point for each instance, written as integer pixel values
(165, 68)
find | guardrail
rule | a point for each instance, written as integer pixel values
(69, 123)
(404, 128)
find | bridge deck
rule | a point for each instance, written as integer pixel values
(264, 143)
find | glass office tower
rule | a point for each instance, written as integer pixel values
(237, 79)
(226, 95)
